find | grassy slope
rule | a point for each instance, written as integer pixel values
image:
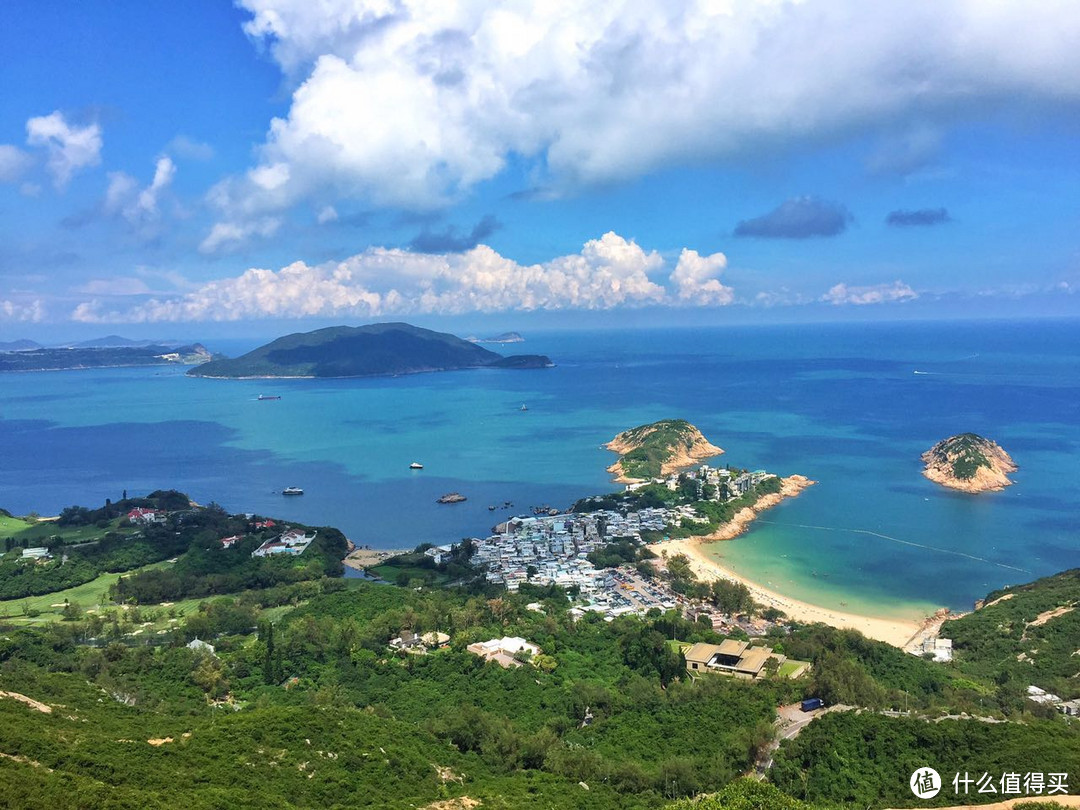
(87, 595)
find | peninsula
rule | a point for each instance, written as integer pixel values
(970, 463)
(658, 449)
(380, 349)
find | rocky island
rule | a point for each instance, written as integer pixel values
(658, 449)
(970, 463)
(380, 349)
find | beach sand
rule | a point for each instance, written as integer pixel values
(362, 558)
(894, 631)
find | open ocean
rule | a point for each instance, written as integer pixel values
(842, 404)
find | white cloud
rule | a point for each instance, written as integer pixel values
(70, 148)
(413, 102)
(117, 285)
(139, 206)
(229, 234)
(608, 272)
(13, 163)
(875, 294)
(328, 214)
(31, 311)
(696, 278)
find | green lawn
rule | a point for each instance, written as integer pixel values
(44, 529)
(10, 526)
(88, 595)
(789, 667)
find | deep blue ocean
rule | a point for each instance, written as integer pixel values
(850, 406)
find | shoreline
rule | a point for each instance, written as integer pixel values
(897, 632)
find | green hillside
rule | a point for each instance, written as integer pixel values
(363, 351)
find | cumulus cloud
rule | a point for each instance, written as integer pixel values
(608, 272)
(25, 311)
(449, 241)
(875, 294)
(798, 218)
(138, 206)
(70, 147)
(696, 279)
(921, 216)
(906, 152)
(13, 163)
(411, 103)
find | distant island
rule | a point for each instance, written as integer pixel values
(379, 349)
(968, 462)
(66, 358)
(658, 449)
(505, 337)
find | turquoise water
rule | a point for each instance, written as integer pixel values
(840, 404)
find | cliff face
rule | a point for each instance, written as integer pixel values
(968, 462)
(658, 449)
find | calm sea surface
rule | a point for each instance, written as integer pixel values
(850, 406)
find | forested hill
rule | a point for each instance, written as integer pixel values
(364, 351)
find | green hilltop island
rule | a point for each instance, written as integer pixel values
(970, 463)
(658, 449)
(379, 349)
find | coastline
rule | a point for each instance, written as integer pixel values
(897, 632)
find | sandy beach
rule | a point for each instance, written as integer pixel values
(362, 558)
(894, 631)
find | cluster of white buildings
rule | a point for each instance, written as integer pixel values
(729, 483)
(1069, 707)
(503, 650)
(293, 542)
(557, 546)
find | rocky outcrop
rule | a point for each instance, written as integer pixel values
(970, 463)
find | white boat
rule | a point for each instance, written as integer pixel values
(416, 465)
(292, 491)
(523, 407)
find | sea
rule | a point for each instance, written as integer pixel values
(851, 406)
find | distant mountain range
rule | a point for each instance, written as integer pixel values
(364, 351)
(108, 342)
(75, 357)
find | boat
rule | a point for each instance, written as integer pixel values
(292, 491)
(523, 407)
(264, 397)
(416, 465)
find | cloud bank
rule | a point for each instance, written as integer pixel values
(608, 272)
(411, 103)
(841, 294)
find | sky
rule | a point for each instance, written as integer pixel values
(207, 168)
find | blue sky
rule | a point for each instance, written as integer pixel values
(207, 168)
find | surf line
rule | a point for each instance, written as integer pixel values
(898, 540)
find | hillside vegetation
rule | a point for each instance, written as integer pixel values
(659, 448)
(968, 462)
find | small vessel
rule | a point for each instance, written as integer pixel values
(265, 397)
(416, 465)
(523, 407)
(292, 491)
